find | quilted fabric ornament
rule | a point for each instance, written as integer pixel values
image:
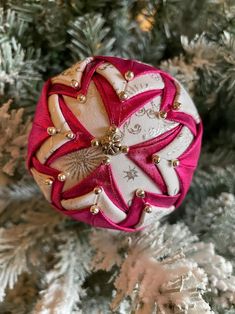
(114, 143)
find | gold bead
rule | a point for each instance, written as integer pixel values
(162, 114)
(106, 160)
(61, 177)
(140, 193)
(129, 75)
(51, 130)
(148, 209)
(175, 163)
(75, 83)
(176, 105)
(70, 135)
(97, 190)
(125, 149)
(156, 159)
(122, 95)
(94, 209)
(48, 181)
(113, 128)
(81, 98)
(95, 142)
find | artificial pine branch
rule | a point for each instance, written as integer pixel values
(89, 37)
(212, 180)
(215, 221)
(148, 274)
(63, 283)
(21, 244)
(13, 143)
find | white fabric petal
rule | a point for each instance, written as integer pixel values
(156, 214)
(92, 114)
(113, 76)
(101, 200)
(130, 177)
(172, 151)
(144, 125)
(49, 146)
(73, 74)
(137, 85)
(187, 104)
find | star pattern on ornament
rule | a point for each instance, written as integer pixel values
(131, 174)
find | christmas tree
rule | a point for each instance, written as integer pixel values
(50, 264)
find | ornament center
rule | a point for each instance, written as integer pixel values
(110, 143)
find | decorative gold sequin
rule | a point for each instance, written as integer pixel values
(81, 98)
(156, 159)
(95, 142)
(51, 130)
(70, 135)
(162, 114)
(122, 96)
(176, 105)
(140, 193)
(129, 75)
(97, 190)
(48, 181)
(94, 209)
(61, 177)
(148, 209)
(175, 163)
(74, 83)
(106, 160)
(125, 149)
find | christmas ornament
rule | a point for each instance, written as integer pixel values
(114, 143)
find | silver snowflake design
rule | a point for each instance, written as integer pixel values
(81, 163)
(131, 174)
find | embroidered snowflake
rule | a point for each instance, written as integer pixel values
(131, 174)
